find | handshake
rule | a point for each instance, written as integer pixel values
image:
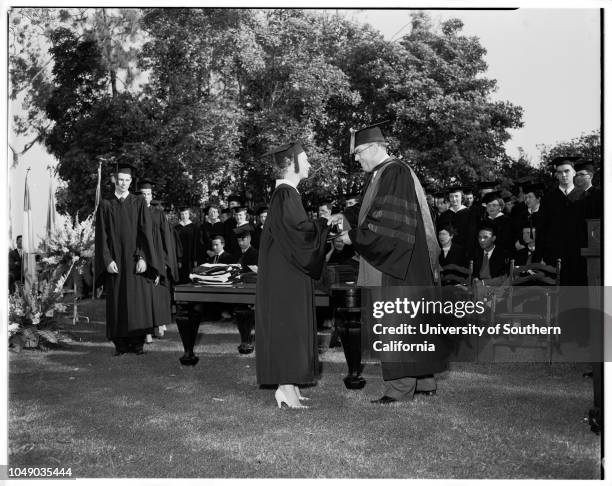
(339, 228)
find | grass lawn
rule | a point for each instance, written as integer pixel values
(147, 416)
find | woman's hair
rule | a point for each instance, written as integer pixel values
(280, 165)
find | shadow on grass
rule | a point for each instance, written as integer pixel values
(147, 416)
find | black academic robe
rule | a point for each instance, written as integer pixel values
(191, 252)
(256, 236)
(562, 234)
(592, 203)
(456, 256)
(124, 232)
(213, 229)
(391, 237)
(463, 222)
(225, 257)
(249, 257)
(163, 243)
(231, 240)
(291, 255)
(15, 269)
(342, 257)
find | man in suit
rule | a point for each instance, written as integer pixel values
(491, 262)
(220, 255)
(15, 265)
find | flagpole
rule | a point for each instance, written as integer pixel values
(97, 202)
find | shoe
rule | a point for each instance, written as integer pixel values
(301, 397)
(427, 393)
(281, 398)
(245, 348)
(189, 359)
(149, 339)
(384, 400)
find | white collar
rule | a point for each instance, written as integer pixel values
(489, 252)
(288, 182)
(569, 189)
(531, 211)
(460, 208)
(122, 196)
(185, 223)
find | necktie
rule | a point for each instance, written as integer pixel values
(485, 271)
(216, 259)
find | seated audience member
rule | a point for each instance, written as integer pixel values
(220, 255)
(495, 218)
(262, 214)
(248, 255)
(451, 253)
(340, 253)
(526, 254)
(491, 262)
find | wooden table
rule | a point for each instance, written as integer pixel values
(190, 301)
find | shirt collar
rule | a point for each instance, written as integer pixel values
(288, 182)
(489, 252)
(569, 189)
(122, 196)
(457, 210)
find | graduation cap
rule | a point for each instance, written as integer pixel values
(184, 207)
(490, 197)
(488, 184)
(146, 184)
(291, 149)
(454, 188)
(369, 134)
(125, 168)
(243, 230)
(240, 209)
(534, 187)
(584, 165)
(468, 190)
(234, 198)
(565, 159)
(261, 210)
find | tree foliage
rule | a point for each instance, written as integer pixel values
(223, 85)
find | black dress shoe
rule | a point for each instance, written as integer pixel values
(245, 348)
(427, 393)
(384, 400)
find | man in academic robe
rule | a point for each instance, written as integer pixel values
(450, 254)
(15, 264)
(231, 239)
(592, 197)
(562, 232)
(530, 217)
(291, 258)
(396, 240)
(189, 240)
(126, 258)
(261, 215)
(248, 255)
(163, 243)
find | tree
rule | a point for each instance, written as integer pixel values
(586, 146)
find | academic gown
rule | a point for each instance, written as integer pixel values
(291, 255)
(124, 232)
(562, 234)
(190, 241)
(391, 238)
(163, 243)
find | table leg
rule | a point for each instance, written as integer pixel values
(348, 326)
(188, 317)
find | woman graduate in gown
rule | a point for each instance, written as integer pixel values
(291, 255)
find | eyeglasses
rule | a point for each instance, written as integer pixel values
(358, 152)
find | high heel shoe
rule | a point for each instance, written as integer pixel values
(300, 396)
(281, 398)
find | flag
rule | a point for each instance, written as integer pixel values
(98, 187)
(27, 242)
(51, 212)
